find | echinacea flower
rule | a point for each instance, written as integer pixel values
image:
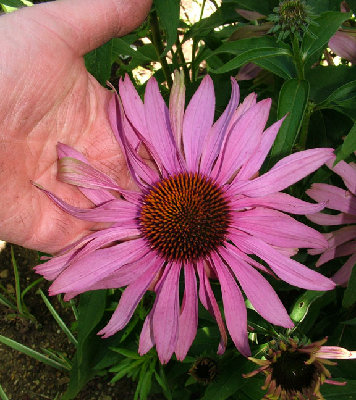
(199, 207)
(296, 371)
(341, 242)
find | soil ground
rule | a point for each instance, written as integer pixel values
(22, 377)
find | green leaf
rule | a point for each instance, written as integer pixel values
(12, 3)
(348, 146)
(301, 306)
(343, 100)
(126, 353)
(281, 66)
(91, 310)
(32, 353)
(327, 25)
(263, 7)
(350, 322)
(350, 292)
(98, 62)
(168, 13)
(293, 100)
(254, 50)
(3, 394)
(121, 47)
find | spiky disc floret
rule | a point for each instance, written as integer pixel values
(185, 217)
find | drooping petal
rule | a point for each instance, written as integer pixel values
(95, 266)
(278, 201)
(257, 289)
(188, 319)
(242, 140)
(345, 249)
(217, 133)
(130, 298)
(289, 270)
(207, 298)
(97, 196)
(166, 312)
(335, 353)
(342, 276)
(285, 173)
(198, 119)
(115, 211)
(344, 45)
(158, 125)
(147, 340)
(234, 307)
(347, 173)
(53, 267)
(176, 107)
(337, 198)
(277, 228)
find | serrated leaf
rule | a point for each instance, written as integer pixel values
(168, 13)
(350, 292)
(348, 146)
(293, 100)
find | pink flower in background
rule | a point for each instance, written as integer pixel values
(341, 242)
(199, 208)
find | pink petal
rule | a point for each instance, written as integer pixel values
(279, 201)
(146, 338)
(198, 119)
(335, 353)
(188, 319)
(344, 45)
(242, 140)
(95, 266)
(285, 173)
(115, 211)
(287, 269)
(52, 268)
(253, 165)
(234, 307)
(328, 219)
(216, 135)
(277, 228)
(134, 108)
(97, 196)
(342, 250)
(248, 71)
(253, 284)
(176, 107)
(347, 173)
(158, 125)
(165, 316)
(130, 298)
(337, 199)
(342, 276)
(119, 125)
(207, 298)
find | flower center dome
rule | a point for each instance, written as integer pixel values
(185, 217)
(291, 372)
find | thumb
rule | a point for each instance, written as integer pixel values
(86, 24)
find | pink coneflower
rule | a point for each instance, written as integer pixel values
(341, 242)
(295, 370)
(199, 207)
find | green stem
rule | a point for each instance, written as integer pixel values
(17, 282)
(158, 45)
(298, 58)
(183, 62)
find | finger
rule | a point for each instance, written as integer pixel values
(86, 24)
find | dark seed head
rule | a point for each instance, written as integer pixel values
(185, 217)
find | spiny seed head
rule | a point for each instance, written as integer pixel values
(292, 17)
(185, 217)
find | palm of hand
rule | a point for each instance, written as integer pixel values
(47, 97)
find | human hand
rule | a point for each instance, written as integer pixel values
(47, 96)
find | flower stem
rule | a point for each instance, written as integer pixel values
(298, 58)
(158, 45)
(195, 44)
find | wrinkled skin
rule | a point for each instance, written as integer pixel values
(47, 96)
